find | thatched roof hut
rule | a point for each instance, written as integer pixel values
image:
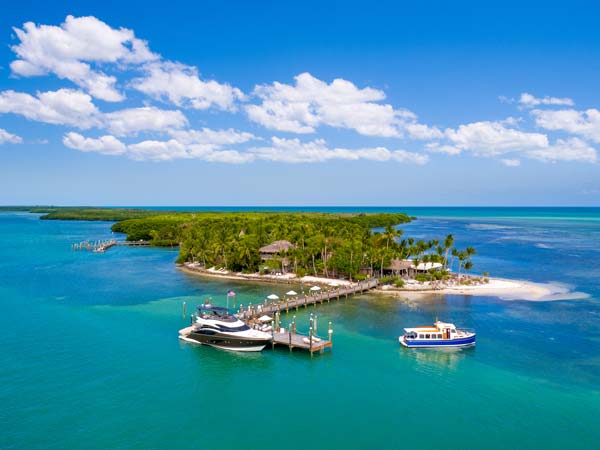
(398, 265)
(276, 247)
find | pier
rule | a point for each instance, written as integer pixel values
(103, 245)
(304, 300)
(292, 339)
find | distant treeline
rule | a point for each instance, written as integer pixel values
(85, 213)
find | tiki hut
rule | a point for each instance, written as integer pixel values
(399, 267)
(275, 248)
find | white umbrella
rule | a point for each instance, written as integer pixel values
(291, 293)
(334, 284)
(265, 319)
(273, 297)
(315, 288)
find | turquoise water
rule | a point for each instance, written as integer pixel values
(89, 355)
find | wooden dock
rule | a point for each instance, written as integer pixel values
(294, 340)
(102, 246)
(295, 302)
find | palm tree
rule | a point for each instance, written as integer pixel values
(448, 243)
(461, 257)
(454, 255)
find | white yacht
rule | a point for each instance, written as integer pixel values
(218, 327)
(440, 335)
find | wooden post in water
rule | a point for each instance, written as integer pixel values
(184, 310)
(315, 324)
(330, 335)
(273, 335)
(310, 340)
(290, 337)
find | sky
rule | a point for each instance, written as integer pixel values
(300, 103)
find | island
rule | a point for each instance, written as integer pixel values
(310, 247)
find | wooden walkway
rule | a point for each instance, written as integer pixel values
(102, 246)
(294, 340)
(295, 302)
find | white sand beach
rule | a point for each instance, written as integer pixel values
(496, 287)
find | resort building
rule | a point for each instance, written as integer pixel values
(399, 268)
(276, 249)
(406, 268)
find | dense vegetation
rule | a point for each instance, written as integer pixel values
(324, 244)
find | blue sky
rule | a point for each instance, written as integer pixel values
(308, 103)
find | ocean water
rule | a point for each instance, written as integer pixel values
(89, 355)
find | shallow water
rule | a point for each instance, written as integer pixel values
(89, 355)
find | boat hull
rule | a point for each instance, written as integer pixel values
(226, 342)
(442, 343)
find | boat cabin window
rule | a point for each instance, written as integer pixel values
(427, 336)
(421, 336)
(439, 336)
(411, 335)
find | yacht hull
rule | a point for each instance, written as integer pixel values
(227, 342)
(442, 343)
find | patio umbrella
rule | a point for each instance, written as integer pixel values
(315, 288)
(273, 297)
(334, 284)
(291, 293)
(265, 319)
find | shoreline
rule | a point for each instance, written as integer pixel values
(502, 288)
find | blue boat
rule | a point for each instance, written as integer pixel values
(440, 335)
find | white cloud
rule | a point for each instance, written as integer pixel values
(511, 162)
(295, 151)
(67, 50)
(62, 107)
(436, 147)
(107, 145)
(529, 101)
(310, 102)
(131, 121)
(202, 147)
(210, 136)
(573, 149)
(584, 123)
(173, 149)
(493, 138)
(6, 137)
(182, 85)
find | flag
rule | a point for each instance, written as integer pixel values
(230, 293)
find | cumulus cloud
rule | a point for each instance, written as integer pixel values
(207, 145)
(295, 151)
(529, 101)
(494, 138)
(67, 51)
(511, 162)
(573, 149)
(173, 149)
(133, 120)
(62, 107)
(107, 145)
(181, 85)
(436, 147)
(583, 123)
(6, 137)
(310, 102)
(210, 136)
(76, 109)
(202, 147)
